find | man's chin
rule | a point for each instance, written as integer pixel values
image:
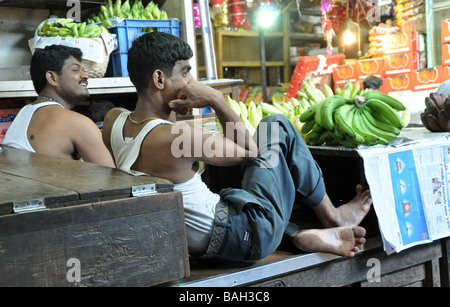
(84, 95)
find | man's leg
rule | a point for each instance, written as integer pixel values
(350, 214)
(262, 208)
(297, 171)
(308, 180)
(284, 169)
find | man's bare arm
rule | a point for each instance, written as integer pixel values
(198, 95)
(89, 144)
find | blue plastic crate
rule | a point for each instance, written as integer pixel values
(127, 31)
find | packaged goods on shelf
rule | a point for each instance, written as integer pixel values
(408, 10)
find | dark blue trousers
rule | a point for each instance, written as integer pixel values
(251, 222)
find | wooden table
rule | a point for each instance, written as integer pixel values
(53, 211)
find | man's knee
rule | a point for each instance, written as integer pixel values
(275, 118)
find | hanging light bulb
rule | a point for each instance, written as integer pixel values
(267, 14)
(349, 37)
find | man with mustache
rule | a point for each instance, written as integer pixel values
(48, 125)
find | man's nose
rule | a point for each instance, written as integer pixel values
(190, 78)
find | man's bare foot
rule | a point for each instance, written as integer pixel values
(353, 212)
(350, 214)
(342, 241)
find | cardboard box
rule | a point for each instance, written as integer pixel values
(400, 42)
(445, 30)
(370, 67)
(446, 72)
(427, 78)
(446, 54)
(316, 65)
(399, 63)
(343, 73)
(397, 83)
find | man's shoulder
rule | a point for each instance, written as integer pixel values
(115, 112)
(111, 117)
(70, 115)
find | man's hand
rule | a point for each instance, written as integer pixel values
(195, 95)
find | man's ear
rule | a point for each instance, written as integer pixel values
(52, 78)
(159, 79)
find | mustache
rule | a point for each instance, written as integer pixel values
(83, 80)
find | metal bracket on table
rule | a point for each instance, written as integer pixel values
(32, 205)
(144, 190)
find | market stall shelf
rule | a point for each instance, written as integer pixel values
(107, 86)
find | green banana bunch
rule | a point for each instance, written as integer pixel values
(126, 10)
(66, 27)
(370, 119)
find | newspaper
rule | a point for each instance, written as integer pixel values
(409, 184)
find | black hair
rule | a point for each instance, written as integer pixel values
(155, 50)
(372, 82)
(50, 58)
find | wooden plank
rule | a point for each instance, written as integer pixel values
(131, 242)
(16, 188)
(414, 275)
(433, 278)
(90, 180)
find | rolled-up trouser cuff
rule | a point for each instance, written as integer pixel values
(317, 195)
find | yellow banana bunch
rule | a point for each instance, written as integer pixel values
(66, 27)
(252, 114)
